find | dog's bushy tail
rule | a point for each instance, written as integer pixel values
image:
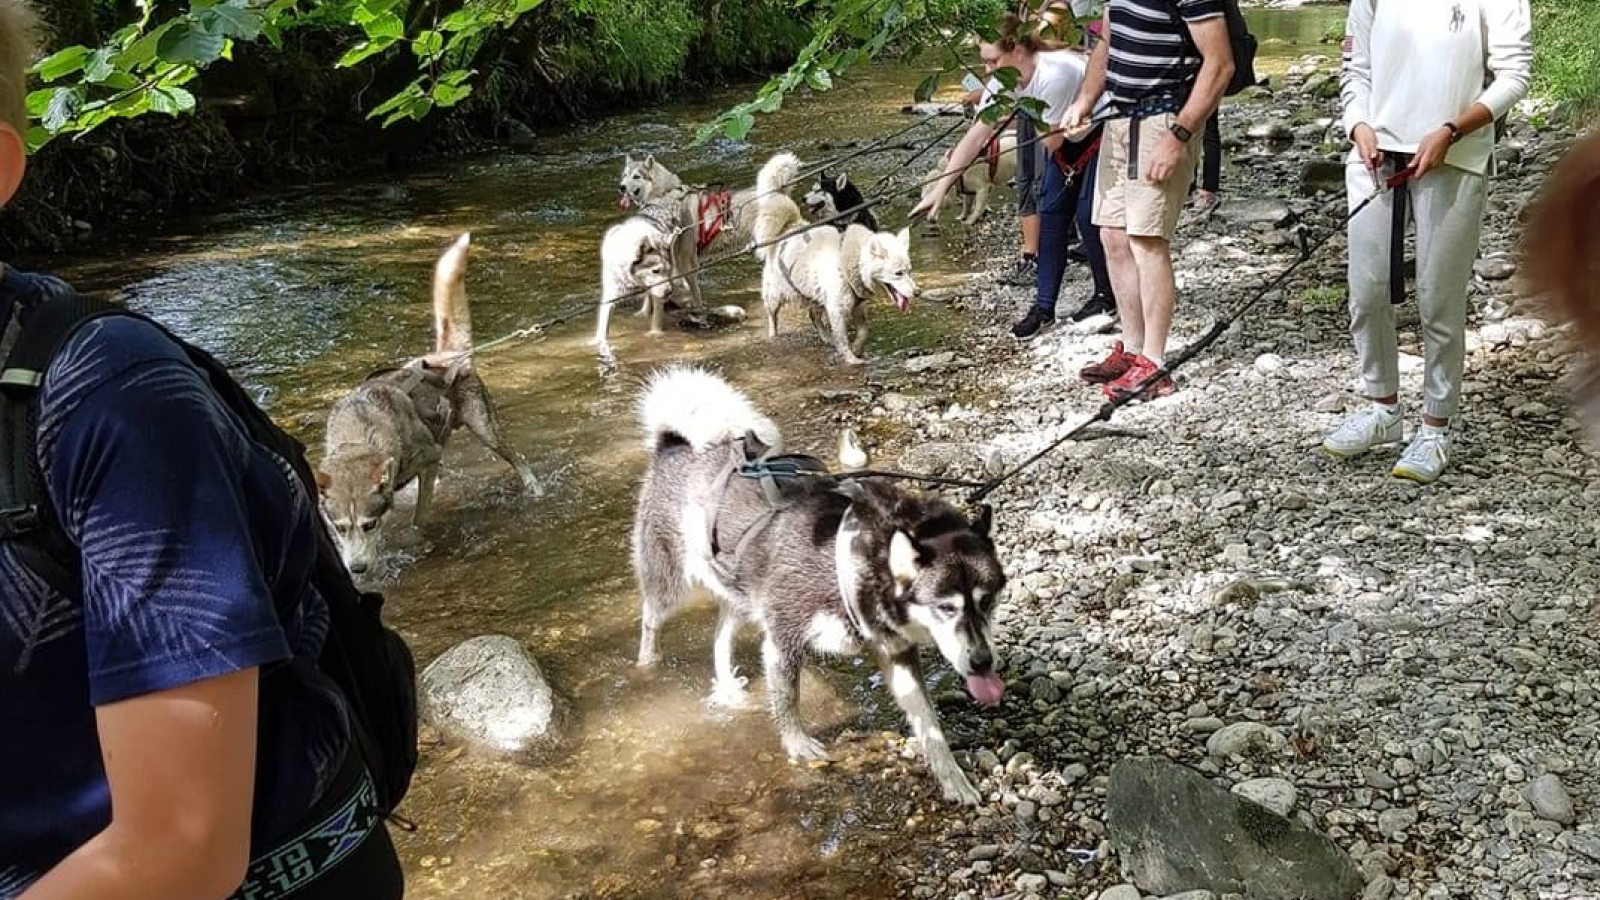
(778, 173)
(697, 407)
(452, 320)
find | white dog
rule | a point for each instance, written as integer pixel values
(637, 257)
(838, 272)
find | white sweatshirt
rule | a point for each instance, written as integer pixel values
(1412, 65)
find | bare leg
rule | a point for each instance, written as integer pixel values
(1153, 258)
(1125, 284)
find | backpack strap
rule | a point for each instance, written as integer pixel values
(28, 520)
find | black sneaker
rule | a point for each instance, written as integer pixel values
(1076, 254)
(1097, 305)
(1036, 321)
(1023, 274)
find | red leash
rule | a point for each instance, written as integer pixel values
(707, 229)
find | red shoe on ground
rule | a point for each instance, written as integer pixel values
(1109, 369)
(1141, 369)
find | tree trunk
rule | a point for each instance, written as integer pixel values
(71, 22)
(703, 48)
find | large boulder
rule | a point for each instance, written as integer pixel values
(1321, 176)
(490, 693)
(1175, 831)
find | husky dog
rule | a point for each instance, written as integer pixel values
(392, 429)
(637, 255)
(838, 272)
(995, 166)
(836, 567)
(733, 216)
(835, 193)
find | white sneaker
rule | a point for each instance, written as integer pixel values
(1373, 426)
(1426, 456)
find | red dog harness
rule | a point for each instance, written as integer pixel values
(1073, 168)
(707, 225)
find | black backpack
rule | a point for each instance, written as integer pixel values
(370, 663)
(1239, 38)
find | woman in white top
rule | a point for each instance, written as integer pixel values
(1415, 94)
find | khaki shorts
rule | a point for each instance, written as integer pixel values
(1143, 208)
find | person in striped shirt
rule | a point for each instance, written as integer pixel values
(1164, 65)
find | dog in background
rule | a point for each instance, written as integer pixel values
(997, 166)
(392, 429)
(816, 564)
(834, 193)
(636, 258)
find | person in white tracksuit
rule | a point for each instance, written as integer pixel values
(1423, 83)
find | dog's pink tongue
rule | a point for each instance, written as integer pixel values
(624, 201)
(986, 689)
(902, 302)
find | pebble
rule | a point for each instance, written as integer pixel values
(1550, 800)
(1275, 794)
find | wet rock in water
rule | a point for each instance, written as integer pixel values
(934, 109)
(713, 317)
(1321, 176)
(488, 692)
(1175, 831)
(1255, 210)
(1551, 801)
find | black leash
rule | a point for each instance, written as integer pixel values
(1218, 328)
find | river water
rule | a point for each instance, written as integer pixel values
(306, 290)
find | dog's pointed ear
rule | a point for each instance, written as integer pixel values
(983, 519)
(904, 237)
(324, 481)
(876, 248)
(383, 472)
(650, 161)
(906, 559)
(627, 159)
(842, 182)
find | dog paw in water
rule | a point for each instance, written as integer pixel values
(729, 694)
(804, 748)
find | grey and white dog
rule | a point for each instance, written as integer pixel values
(637, 258)
(392, 429)
(832, 567)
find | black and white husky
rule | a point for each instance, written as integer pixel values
(835, 567)
(834, 193)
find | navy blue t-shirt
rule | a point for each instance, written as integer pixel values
(198, 544)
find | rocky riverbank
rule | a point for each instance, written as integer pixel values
(1410, 671)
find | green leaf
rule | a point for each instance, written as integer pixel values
(428, 45)
(61, 64)
(1008, 77)
(171, 100)
(62, 108)
(927, 87)
(99, 66)
(37, 137)
(769, 103)
(738, 126)
(386, 26)
(819, 79)
(362, 51)
(187, 44)
(39, 101)
(120, 81)
(232, 22)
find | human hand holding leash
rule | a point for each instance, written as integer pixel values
(1076, 123)
(1367, 145)
(1431, 152)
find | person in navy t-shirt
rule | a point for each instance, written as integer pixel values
(168, 734)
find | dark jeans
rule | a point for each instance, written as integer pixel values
(1211, 159)
(1064, 204)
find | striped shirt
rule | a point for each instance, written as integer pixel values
(1151, 53)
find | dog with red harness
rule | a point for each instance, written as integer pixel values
(998, 166)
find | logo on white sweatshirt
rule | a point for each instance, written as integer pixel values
(1457, 19)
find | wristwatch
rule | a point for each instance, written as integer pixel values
(1181, 133)
(1455, 131)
